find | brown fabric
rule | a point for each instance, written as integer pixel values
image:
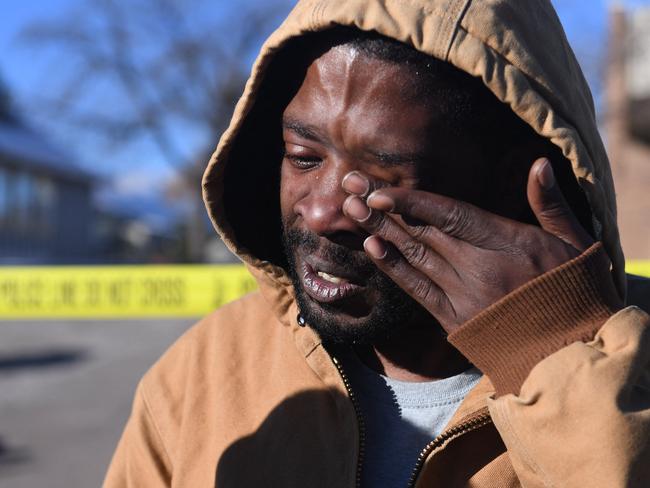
(582, 418)
(245, 399)
(489, 465)
(565, 305)
(248, 398)
(233, 402)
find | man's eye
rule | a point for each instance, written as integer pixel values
(302, 162)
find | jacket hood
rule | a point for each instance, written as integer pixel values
(517, 48)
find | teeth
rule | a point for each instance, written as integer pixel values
(330, 278)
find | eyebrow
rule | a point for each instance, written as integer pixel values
(312, 133)
(303, 130)
(397, 159)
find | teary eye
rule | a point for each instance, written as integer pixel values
(300, 160)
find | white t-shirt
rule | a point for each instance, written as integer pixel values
(400, 418)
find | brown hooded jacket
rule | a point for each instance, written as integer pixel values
(249, 398)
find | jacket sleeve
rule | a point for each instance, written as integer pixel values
(572, 377)
(140, 458)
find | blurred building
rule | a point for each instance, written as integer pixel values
(51, 210)
(45, 200)
(138, 229)
(627, 125)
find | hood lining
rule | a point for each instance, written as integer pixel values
(312, 16)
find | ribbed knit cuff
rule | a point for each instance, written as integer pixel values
(564, 305)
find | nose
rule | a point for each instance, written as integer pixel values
(321, 207)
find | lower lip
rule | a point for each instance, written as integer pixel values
(325, 291)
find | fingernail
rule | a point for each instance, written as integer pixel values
(381, 202)
(375, 247)
(545, 175)
(355, 208)
(356, 184)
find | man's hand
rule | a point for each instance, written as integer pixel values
(456, 259)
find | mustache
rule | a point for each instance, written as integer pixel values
(337, 254)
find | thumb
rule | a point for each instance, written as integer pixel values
(551, 209)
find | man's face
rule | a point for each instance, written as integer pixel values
(357, 113)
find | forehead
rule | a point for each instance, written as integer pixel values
(347, 90)
(345, 64)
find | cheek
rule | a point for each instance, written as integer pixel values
(290, 186)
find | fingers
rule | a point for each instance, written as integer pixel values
(444, 225)
(416, 250)
(454, 218)
(551, 209)
(356, 183)
(450, 216)
(389, 260)
(411, 264)
(416, 205)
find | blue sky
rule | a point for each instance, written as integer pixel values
(139, 169)
(16, 67)
(584, 20)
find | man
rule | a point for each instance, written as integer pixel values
(420, 190)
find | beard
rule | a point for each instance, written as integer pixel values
(393, 308)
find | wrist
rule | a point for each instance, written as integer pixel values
(564, 305)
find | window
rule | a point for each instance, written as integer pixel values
(45, 195)
(27, 203)
(10, 200)
(24, 200)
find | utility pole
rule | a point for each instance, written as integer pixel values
(616, 114)
(627, 133)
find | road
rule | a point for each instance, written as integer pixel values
(65, 394)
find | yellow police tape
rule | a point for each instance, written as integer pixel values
(638, 267)
(91, 292)
(119, 291)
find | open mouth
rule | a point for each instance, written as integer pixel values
(328, 286)
(331, 278)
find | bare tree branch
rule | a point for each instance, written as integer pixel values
(146, 69)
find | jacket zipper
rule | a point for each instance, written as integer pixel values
(458, 430)
(360, 421)
(471, 424)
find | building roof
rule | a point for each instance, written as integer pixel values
(26, 147)
(22, 146)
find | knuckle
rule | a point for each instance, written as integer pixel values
(421, 289)
(456, 221)
(415, 253)
(374, 222)
(420, 232)
(378, 223)
(554, 210)
(425, 293)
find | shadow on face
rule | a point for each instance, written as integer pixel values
(342, 97)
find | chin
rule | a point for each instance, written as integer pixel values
(341, 323)
(341, 294)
